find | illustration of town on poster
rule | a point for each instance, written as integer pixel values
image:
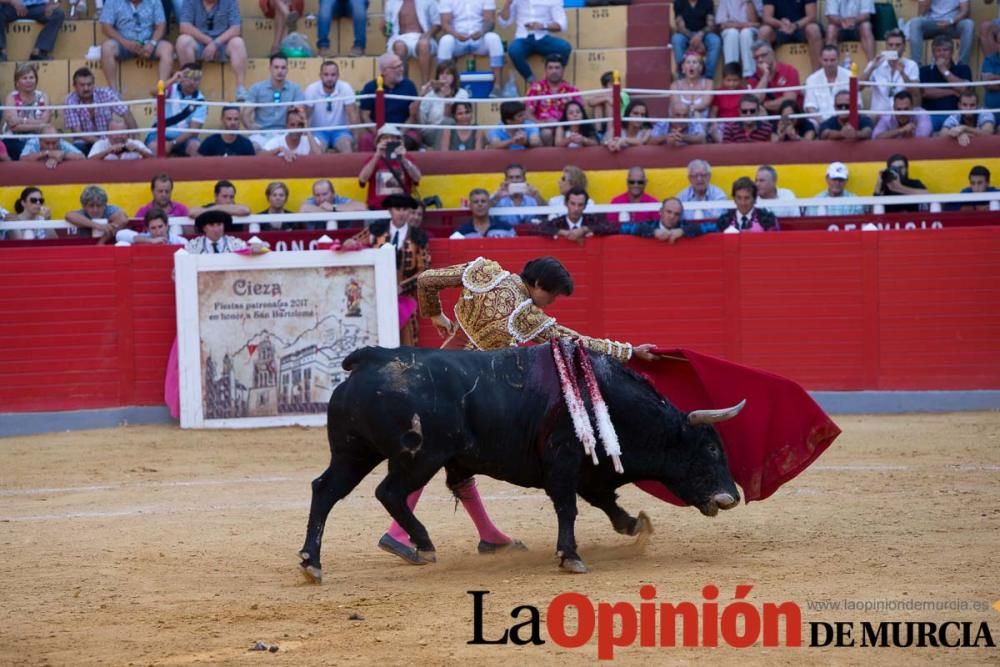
(272, 340)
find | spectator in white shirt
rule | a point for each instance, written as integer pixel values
(332, 104)
(536, 20)
(118, 146)
(295, 143)
(941, 17)
(891, 71)
(467, 27)
(851, 21)
(768, 192)
(821, 85)
(739, 22)
(157, 232)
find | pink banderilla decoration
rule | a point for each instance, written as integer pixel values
(574, 403)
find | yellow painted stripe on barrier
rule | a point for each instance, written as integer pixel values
(806, 180)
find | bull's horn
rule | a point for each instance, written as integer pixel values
(713, 416)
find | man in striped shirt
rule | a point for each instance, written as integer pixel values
(749, 130)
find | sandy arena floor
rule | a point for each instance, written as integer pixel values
(153, 546)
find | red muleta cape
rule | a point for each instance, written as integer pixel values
(779, 433)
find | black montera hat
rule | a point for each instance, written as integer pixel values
(212, 216)
(399, 201)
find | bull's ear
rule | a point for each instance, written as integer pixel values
(713, 416)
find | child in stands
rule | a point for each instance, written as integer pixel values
(728, 105)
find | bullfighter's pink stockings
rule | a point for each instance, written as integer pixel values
(473, 504)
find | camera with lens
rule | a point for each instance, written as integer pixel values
(390, 149)
(890, 174)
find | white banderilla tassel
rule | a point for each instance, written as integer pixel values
(574, 402)
(604, 426)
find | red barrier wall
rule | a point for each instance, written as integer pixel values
(90, 327)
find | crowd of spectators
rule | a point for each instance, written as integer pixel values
(760, 204)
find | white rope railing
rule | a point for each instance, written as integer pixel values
(707, 120)
(655, 92)
(90, 105)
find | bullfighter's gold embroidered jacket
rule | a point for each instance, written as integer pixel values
(495, 309)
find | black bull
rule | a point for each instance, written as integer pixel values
(502, 414)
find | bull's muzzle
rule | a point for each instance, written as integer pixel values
(719, 501)
(725, 501)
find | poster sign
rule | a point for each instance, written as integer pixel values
(261, 338)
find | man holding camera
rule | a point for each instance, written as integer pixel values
(388, 171)
(895, 180)
(890, 71)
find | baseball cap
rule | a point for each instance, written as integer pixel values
(837, 170)
(390, 129)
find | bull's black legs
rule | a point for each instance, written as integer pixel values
(345, 473)
(561, 489)
(607, 501)
(402, 480)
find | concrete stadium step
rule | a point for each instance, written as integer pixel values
(75, 37)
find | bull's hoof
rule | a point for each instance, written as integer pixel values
(426, 557)
(573, 566)
(488, 548)
(643, 525)
(313, 574)
(391, 545)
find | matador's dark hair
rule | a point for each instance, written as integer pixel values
(549, 274)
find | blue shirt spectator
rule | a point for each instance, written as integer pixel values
(712, 193)
(510, 220)
(396, 111)
(32, 146)
(834, 209)
(501, 133)
(991, 66)
(266, 92)
(134, 22)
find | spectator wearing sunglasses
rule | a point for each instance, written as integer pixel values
(210, 32)
(635, 193)
(750, 129)
(270, 92)
(185, 113)
(332, 102)
(134, 30)
(29, 206)
(397, 111)
(839, 128)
